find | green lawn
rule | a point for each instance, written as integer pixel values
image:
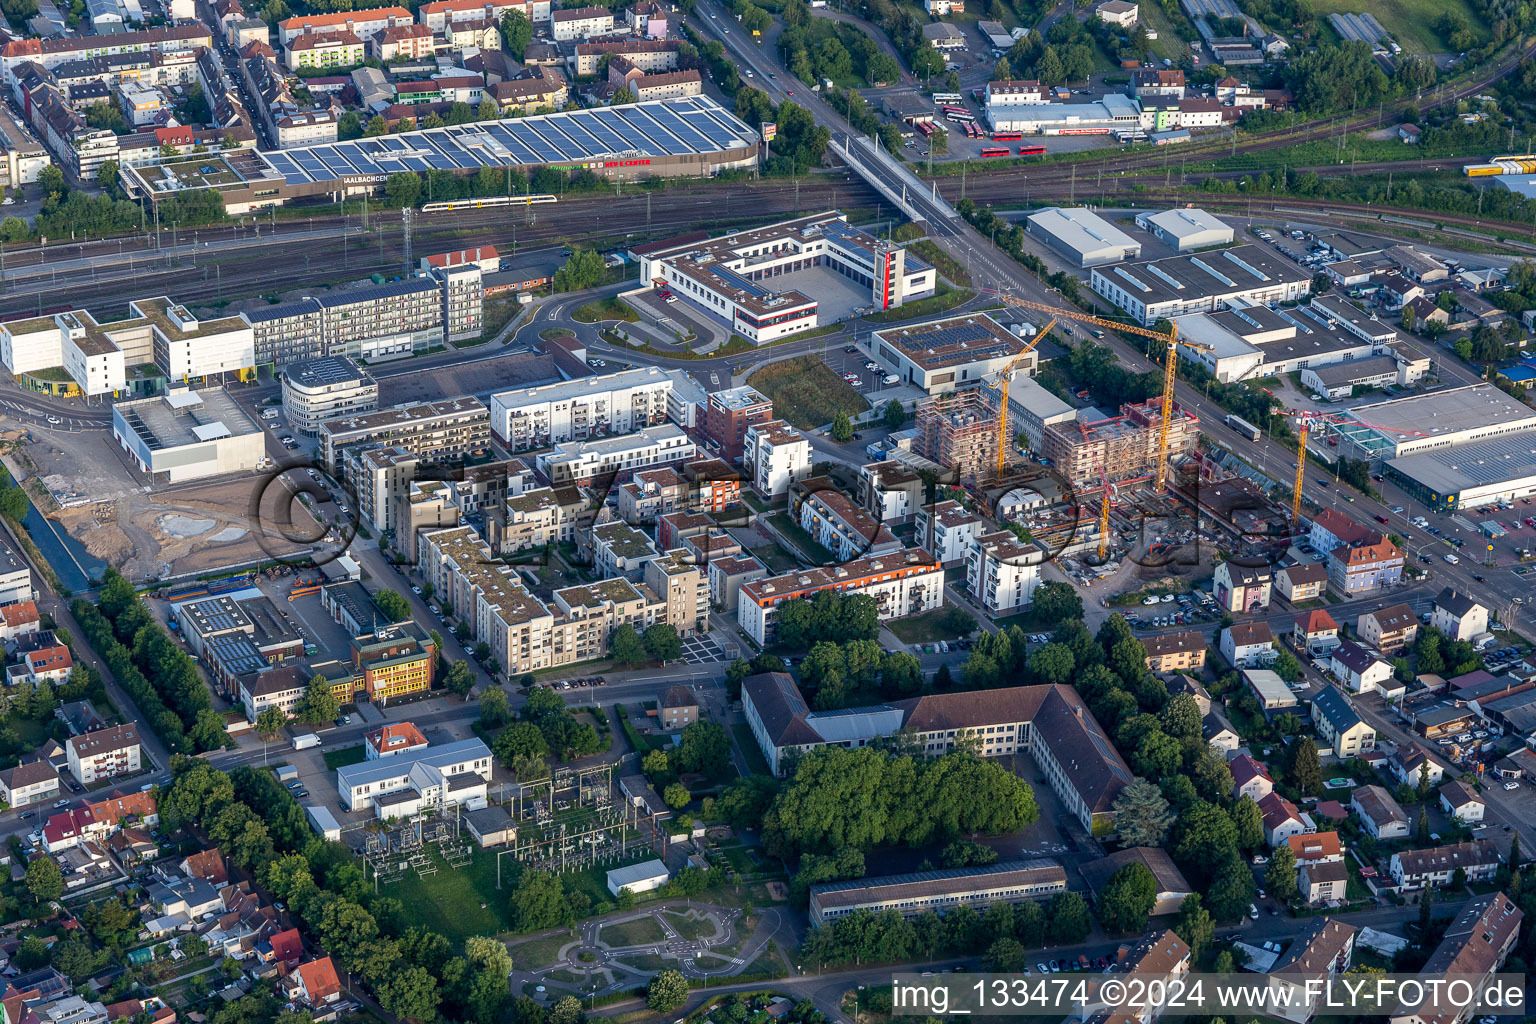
(1411, 22)
(925, 628)
(807, 392)
(690, 928)
(538, 952)
(346, 755)
(460, 903)
(943, 299)
(641, 931)
(756, 763)
(604, 309)
(809, 546)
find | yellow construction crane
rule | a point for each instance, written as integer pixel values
(1001, 386)
(1171, 342)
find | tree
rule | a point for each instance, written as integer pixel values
(376, 126)
(402, 189)
(1194, 925)
(623, 94)
(271, 721)
(1410, 318)
(519, 740)
(842, 428)
(395, 607)
(458, 678)
(319, 704)
(495, 710)
(1057, 602)
(1069, 920)
(667, 991)
(1249, 821)
(1006, 955)
(1422, 832)
(676, 796)
(542, 700)
(1142, 815)
(662, 642)
(13, 503)
(584, 268)
(705, 747)
(894, 415)
(1287, 667)
(1303, 769)
(624, 646)
(566, 1011)
(1128, 897)
(1206, 836)
(1280, 876)
(1232, 891)
(44, 880)
(538, 901)
(516, 33)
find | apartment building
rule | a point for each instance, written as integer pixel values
(836, 523)
(104, 753)
(1339, 725)
(603, 461)
(891, 492)
(1457, 616)
(907, 582)
(651, 494)
(440, 13)
(1379, 814)
(330, 49)
(1248, 644)
(437, 431)
(1002, 572)
(1175, 652)
(1390, 630)
(775, 457)
(727, 576)
(1433, 867)
(332, 387)
(948, 530)
(1476, 945)
(620, 550)
(728, 414)
(580, 23)
(50, 53)
(363, 23)
(579, 410)
(1322, 950)
(1123, 447)
(649, 55)
(1354, 570)
(1242, 589)
(31, 782)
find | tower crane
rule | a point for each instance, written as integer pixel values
(1171, 342)
(1004, 376)
(1307, 419)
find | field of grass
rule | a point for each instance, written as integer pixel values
(928, 627)
(1411, 22)
(948, 267)
(639, 932)
(690, 928)
(538, 952)
(460, 903)
(346, 755)
(741, 732)
(806, 392)
(604, 309)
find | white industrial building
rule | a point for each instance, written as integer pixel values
(1341, 379)
(1082, 235)
(955, 352)
(398, 787)
(1425, 423)
(728, 276)
(1009, 112)
(575, 410)
(186, 435)
(638, 878)
(1471, 475)
(1186, 229)
(1162, 289)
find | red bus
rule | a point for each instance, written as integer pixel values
(1031, 151)
(1007, 136)
(924, 128)
(973, 131)
(954, 110)
(1000, 151)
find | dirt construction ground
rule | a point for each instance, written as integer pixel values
(190, 528)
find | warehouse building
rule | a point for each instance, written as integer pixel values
(727, 275)
(684, 137)
(1472, 475)
(1011, 111)
(955, 352)
(317, 390)
(914, 894)
(1341, 379)
(1162, 289)
(1424, 423)
(187, 435)
(1082, 236)
(1187, 229)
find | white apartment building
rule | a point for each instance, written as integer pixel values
(15, 575)
(776, 456)
(948, 530)
(581, 23)
(365, 24)
(907, 582)
(576, 410)
(842, 527)
(323, 389)
(440, 13)
(621, 551)
(1002, 572)
(187, 348)
(104, 753)
(608, 459)
(377, 475)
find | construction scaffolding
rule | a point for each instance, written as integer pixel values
(1118, 449)
(958, 430)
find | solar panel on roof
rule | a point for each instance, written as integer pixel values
(670, 120)
(610, 140)
(641, 118)
(530, 138)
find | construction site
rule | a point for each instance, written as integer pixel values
(1118, 449)
(959, 431)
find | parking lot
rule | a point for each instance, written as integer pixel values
(869, 382)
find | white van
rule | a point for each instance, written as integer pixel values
(890, 378)
(1452, 559)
